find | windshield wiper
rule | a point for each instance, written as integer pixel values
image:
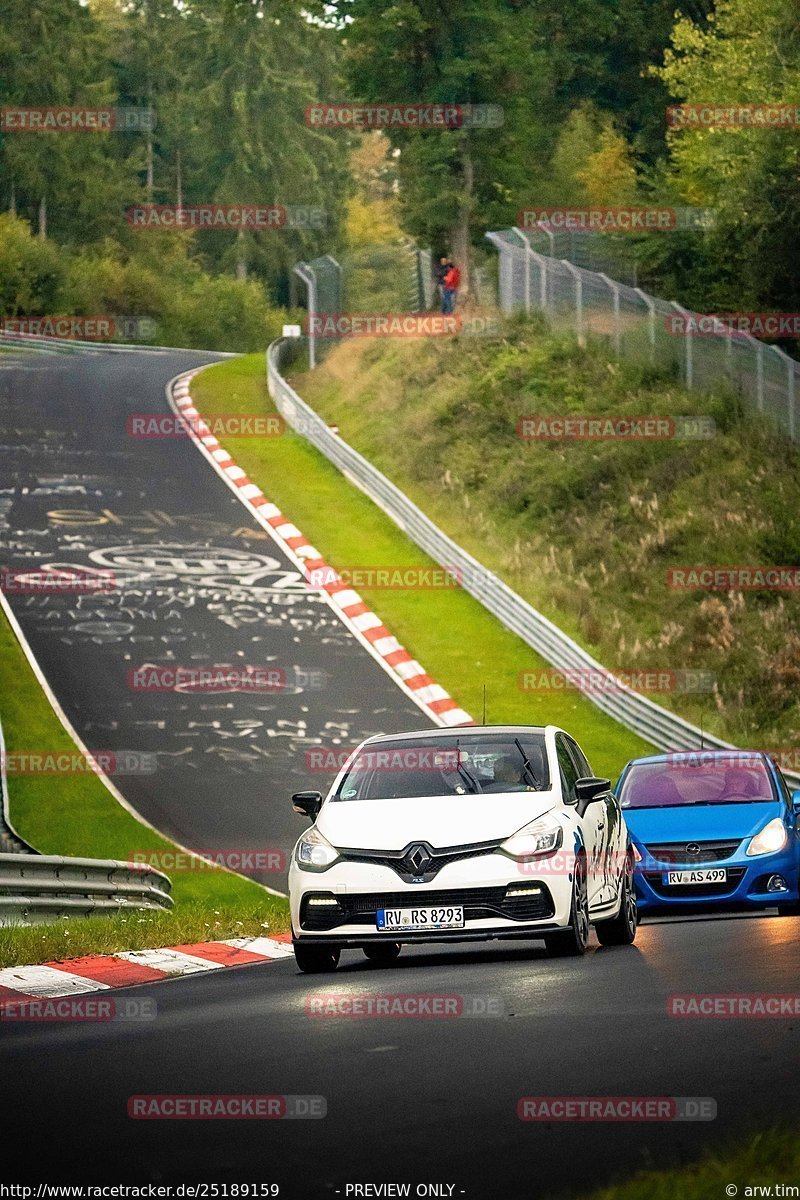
(463, 772)
(529, 771)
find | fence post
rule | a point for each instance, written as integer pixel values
(505, 299)
(790, 366)
(338, 275)
(689, 356)
(790, 392)
(759, 374)
(617, 328)
(527, 270)
(304, 272)
(577, 276)
(651, 322)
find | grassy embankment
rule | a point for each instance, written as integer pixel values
(588, 530)
(76, 815)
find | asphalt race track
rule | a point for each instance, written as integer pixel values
(422, 1100)
(417, 1099)
(197, 583)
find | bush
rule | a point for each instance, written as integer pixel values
(185, 305)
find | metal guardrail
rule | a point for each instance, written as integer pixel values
(656, 725)
(53, 345)
(35, 887)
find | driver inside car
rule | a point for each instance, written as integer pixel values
(507, 775)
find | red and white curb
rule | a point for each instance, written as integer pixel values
(430, 696)
(100, 972)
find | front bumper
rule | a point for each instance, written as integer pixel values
(484, 886)
(745, 887)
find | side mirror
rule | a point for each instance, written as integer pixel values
(796, 801)
(591, 788)
(307, 804)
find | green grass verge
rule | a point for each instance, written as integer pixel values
(586, 531)
(457, 641)
(76, 815)
(765, 1160)
(194, 921)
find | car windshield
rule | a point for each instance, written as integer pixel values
(686, 780)
(465, 764)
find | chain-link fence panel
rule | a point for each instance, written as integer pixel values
(535, 276)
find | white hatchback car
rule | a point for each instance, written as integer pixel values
(461, 834)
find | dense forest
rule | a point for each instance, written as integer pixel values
(583, 87)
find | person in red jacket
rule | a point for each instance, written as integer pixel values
(450, 286)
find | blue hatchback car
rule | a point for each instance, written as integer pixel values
(712, 829)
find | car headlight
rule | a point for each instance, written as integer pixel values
(771, 838)
(541, 836)
(314, 852)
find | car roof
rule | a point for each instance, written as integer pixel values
(707, 752)
(462, 731)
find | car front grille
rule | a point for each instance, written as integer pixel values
(398, 860)
(697, 891)
(478, 903)
(677, 853)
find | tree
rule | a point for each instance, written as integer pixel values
(471, 52)
(750, 52)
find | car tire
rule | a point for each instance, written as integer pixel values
(572, 942)
(621, 929)
(316, 960)
(382, 954)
